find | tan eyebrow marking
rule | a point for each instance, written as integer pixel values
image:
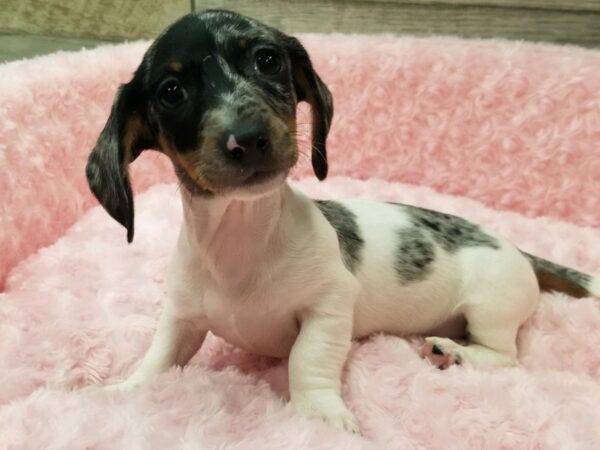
(243, 42)
(176, 66)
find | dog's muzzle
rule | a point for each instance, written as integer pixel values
(247, 144)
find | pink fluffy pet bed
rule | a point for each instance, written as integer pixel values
(503, 133)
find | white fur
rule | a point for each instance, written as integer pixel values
(264, 272)
(595, 287)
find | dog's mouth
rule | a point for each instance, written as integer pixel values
(261, 176)
(257, 183)
(208, 171)
(251, 180)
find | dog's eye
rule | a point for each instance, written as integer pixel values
(171, 93)
(267, 61)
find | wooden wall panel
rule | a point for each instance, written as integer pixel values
(467, 18)
(559, 5)
(98, 19)
(561, 21)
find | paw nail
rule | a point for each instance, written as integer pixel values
(436, 350)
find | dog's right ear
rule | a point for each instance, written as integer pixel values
(124, 136)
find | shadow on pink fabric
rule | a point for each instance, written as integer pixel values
(503, 133)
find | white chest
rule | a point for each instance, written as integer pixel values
(259, 322)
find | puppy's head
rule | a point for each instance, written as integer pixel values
(217, 93)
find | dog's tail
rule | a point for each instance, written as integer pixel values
(554, 277)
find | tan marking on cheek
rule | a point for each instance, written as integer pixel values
(190, 165)
(208, 152)
(282, 128)
(176, 66)
(291, 124)
(189, 162)
(212, 127)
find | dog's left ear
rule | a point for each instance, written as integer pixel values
(123, 138)
(311, 89)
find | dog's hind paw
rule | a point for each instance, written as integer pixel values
(441, 352)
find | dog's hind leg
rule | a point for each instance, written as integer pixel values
(496, 347)
(495, 305)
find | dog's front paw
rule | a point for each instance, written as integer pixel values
(328, 406)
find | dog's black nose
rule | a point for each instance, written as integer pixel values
(246, 142)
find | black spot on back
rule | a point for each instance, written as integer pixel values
(414, 255)
(450, 232)
(344, 223)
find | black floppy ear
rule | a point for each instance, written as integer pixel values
(311, 89)
(124, 136)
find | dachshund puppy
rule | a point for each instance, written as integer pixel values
(277, 273)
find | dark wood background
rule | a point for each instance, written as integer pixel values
(30, 27)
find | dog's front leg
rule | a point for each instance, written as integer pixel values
(317, 359)
(175, 342)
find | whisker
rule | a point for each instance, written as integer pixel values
(312, 148)
(305, 156)
(296, 132)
